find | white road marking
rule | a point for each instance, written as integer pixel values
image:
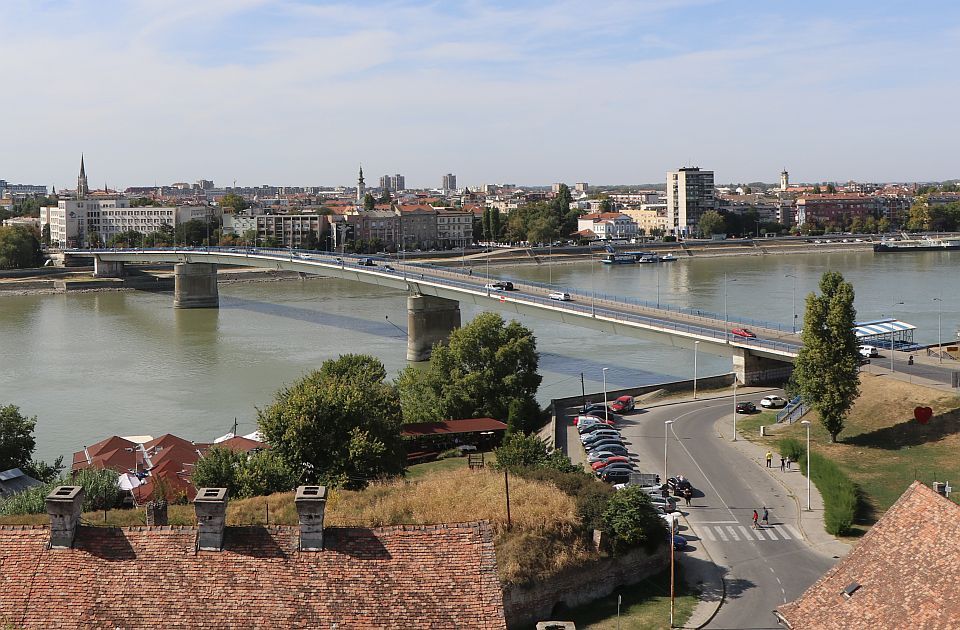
(792, 530)
(709, 534)
(719, 522)
(703, 475)
(758, 534)
(769, 532)
(723, 536)
(733, 533)
(782, 531)
(745, 532)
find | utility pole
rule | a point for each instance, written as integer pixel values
(506, 483)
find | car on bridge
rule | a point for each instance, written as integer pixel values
(743, 332)
(560, 296)
(493, 286)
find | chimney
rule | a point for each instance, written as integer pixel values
(63, 506)
(211, 507)
(310, 502)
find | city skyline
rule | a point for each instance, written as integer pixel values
(300, 93)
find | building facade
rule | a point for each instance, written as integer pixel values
(689, 195)
(449, 183)
(292, 230)
(454, 227)
(608, 225)
(836, 209)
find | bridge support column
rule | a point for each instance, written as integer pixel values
(107, 268)
(195, 286)
(754, 370)
(429, 320)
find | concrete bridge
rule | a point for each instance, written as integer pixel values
(435, 294)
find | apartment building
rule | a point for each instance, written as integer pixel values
(608, 225)
(454, 227)
(648, 221)
(292, 230)
(837, 209)
(689, 195)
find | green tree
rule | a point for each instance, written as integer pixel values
(45, 234)
(496, 224)
(339, 425)
(485, 366)
(265, 473)
(606, 205)
(235, 201)
(816, 189)
(831, 189)
(369, 203)
(16, 437)
(220, 467)
(129, 238)
(827, 367)
(19, 247)
(519, 452)
(385, 196)
(712, 223)
(631, 520)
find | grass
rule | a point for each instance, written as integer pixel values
(645, 606)
(882, 448)
(419, 471)
(841, 497)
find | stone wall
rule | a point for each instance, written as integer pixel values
(525, 605)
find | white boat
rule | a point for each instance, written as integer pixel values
(649, 258)
(668, 258)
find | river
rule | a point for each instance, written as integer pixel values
(91, 365)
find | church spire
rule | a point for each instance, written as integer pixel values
(82, 189)
(360, 187)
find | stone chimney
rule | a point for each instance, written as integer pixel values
(63, 506)
(211, 507)
(310, 501)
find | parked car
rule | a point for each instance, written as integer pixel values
(616, 476)
(608, 461)
(623, 403)
(589, 441)
(585, 426)
(869, 352)
(772, 402)
(673, 523)
(746, 407)
(679, 542)
(587, 420)
(608, 415)
(667, 504)
(603, 445)
(593, 406)
(743, 332)
(678, 484)
(560, 296)
(599, 434)
(606, 451)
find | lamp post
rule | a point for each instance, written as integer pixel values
(790, 275)
(658, 285)
(726, 324)
(593, 286)
(735, 408)
(807, 424)
(939, 301)
(666, 435)
(696, 346)
(666, 439)
(891, 341)
(606, 407)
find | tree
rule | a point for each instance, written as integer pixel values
(339, 425)
(711, 223)
(385, 196)
(265, 473)
(129, 238)
(831, 189)
(235, 201)
(606, 205)
(45, 234)
(485, 366)
(219, 468)
(19, 247)
(528, 452)
(827, 366)
(816, 189)
(369, 203)
(16, 438)
(631, 520)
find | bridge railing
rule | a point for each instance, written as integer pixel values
(588, 303)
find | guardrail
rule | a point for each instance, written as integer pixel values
(595, 305)
(793, 411)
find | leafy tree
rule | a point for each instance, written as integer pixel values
(606, 205)
(265, 473)
(520, 452)
(16, 437)
(385, 196)
(130, 238)
(631, 520)
(369, 203)
(827, 366)
(496, 224)
(816, 189)
(19, 247)
(45, 234)
(485, 366)
(94, 239)
(831, 189)
(712, 223)
(144, 202)
(235, 201)
(219, 468)
(339, 425)
(195, 232)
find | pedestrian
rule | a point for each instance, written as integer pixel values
(470, 272)
(687, 495)
(788, 463)
(769, 459)
(766, 517)
(782, 463)
(755, 517)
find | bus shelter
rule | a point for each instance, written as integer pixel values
(886, 333)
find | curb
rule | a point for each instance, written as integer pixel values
(723, 584)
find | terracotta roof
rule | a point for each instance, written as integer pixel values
(108, 453)
(241, 444)
(436, 576)
(907, 568)
(467, 425)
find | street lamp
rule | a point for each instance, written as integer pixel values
(807, 424)
(666, 440)
(726, 324)
(735, 408)
(696, 346)
(891, 340)
(790, 275)
(606, 408)
(939, 301)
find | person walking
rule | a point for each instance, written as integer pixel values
(687, 495)
(783, 461)
(755, 517)
(766, 517)
(769, 459)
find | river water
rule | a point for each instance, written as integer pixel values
(93, 365)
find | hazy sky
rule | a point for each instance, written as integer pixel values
(299, 92)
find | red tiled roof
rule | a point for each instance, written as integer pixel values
(439, 576)
(907, 567)
(467, 425)
(108, 453)
(241, 444)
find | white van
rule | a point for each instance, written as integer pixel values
(562, 297)
(869, 352)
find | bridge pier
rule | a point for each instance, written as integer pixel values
(195, 285)
(753, 370)
(107, 268)
(429, 320)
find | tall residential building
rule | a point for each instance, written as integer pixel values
(689, 195)
(393, 182)
(581, 187)
(784, 180)
(449, 182)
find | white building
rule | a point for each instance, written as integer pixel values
(608, 225)
(689, 195)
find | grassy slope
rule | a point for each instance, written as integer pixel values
(883, 449)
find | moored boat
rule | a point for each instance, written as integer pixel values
(926, 244)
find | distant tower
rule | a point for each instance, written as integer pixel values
(360, 187)
(82, 189)
(784, 180)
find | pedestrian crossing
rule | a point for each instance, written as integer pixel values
(742, 533)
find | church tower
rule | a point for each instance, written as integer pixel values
(361, 188)
(82, 189)
(784, 180)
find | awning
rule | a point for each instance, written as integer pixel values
(881, 327)
(128, 482)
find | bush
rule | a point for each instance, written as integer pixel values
(631, 520)
(519, 451)
(100, 492)
(591, 495)
(841, 497)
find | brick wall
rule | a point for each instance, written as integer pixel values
(525, 605)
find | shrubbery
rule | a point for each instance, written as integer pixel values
(631, 520)
(590, 495)
(841, 498)
(100, 492)
(519, 451)
(242, 475)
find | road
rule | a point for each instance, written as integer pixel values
(761, 569)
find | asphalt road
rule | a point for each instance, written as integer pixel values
(762, 569)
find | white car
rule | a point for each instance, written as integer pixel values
(869, 352)
(493, 286)
(673, 522)
(560, 297)
(772, 402)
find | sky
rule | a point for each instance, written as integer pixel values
(300, 92)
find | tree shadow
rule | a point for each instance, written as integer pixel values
(909, 433)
